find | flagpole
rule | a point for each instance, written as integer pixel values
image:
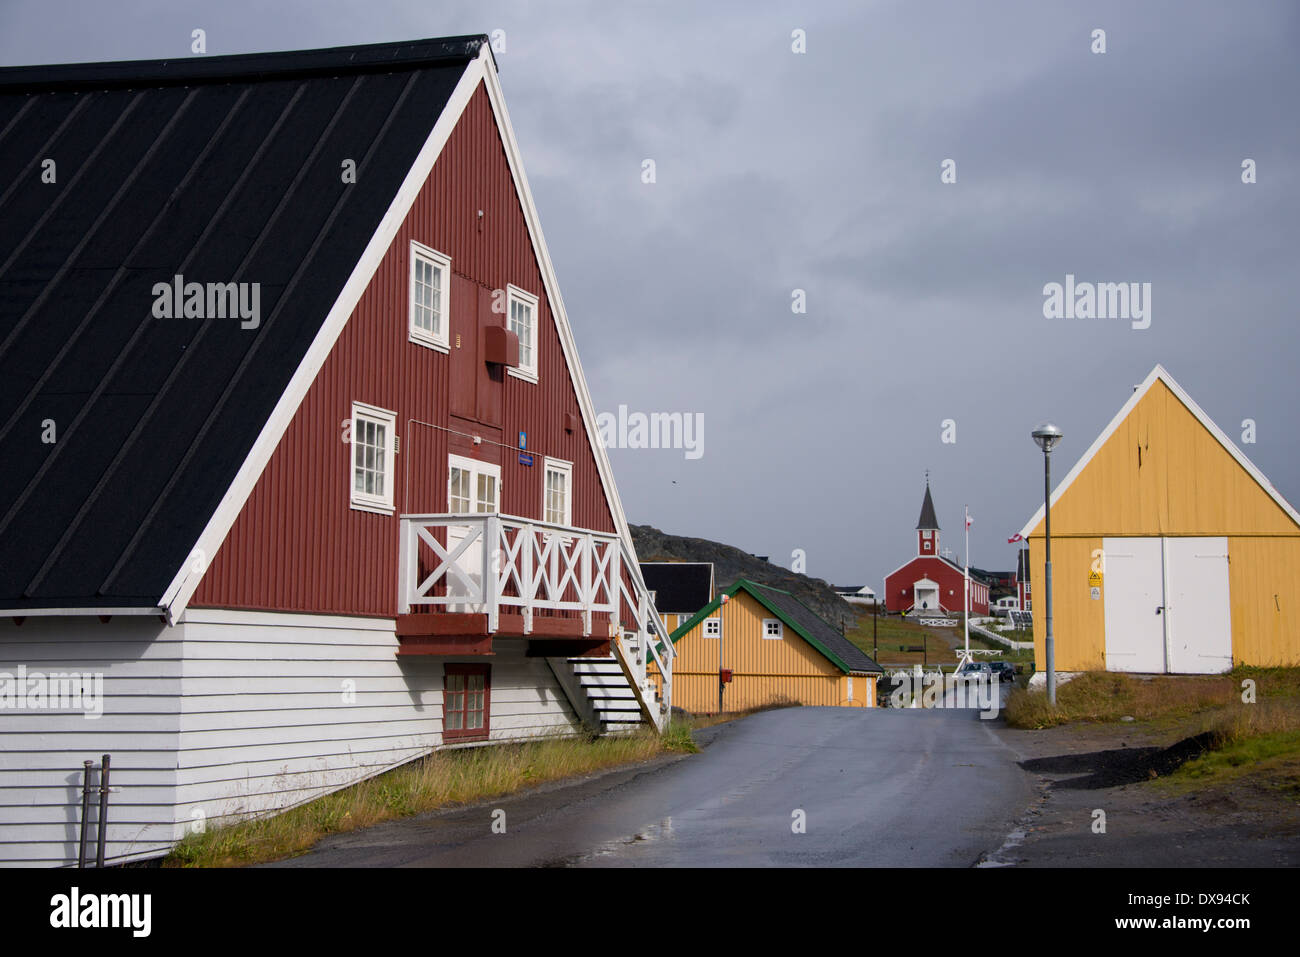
(967, 581)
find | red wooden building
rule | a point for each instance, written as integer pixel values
(929, 582)
(368, 519)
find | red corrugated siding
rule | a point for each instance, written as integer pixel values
(898, 586)
(297, 545)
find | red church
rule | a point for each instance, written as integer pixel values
(929, 582)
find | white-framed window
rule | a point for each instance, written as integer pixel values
(430, 308)
(712, 627)
(1026, 588)
(1029, 605)
(557, 492)
(521, 319)
(772, 628)
(374, 439)
(472, 486)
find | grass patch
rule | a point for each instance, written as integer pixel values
(1107, 696)
(1270, 759)
(1262, 739)
(438, 780)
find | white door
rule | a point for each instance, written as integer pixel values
(472, 487)
(925, 596)
(1134, 599)
(1198, 613)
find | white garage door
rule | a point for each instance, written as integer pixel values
(1134, 583)
(1200, 617)
(1167, 607)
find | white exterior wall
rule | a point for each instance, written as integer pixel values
(41, 751)
(230, 713)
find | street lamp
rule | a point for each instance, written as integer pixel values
(1048, 437)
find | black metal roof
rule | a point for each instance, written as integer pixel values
(220, 169)
(928, 520)
(679, 587)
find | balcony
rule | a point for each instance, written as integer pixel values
(570, 592)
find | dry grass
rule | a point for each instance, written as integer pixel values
(1107, 696)
(439, 780)
(1271, 716)
(709, 719)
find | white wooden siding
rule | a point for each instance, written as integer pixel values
(230, 713)
(41, 752)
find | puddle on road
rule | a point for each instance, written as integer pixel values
(653, 834)
(1002, 856)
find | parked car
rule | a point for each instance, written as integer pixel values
(974, 671)
(1005, 670)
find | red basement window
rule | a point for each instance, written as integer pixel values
(466, 692)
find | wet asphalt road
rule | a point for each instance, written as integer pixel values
(876, 788)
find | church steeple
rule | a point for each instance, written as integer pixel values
(927, 526)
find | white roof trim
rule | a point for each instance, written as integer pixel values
(74, 612)
(187, 579)
(1159, 373)
(561, 318)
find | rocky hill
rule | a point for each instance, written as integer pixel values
(731, 564)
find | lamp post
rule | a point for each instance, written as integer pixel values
(1048, 437)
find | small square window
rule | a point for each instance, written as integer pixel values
(521, 319)
(430, 306)
(712, 627)
(373, 441)
(772, 628)
(466, 704)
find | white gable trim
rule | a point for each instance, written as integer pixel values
(561, 317)
(187, 579)
(1160, 374)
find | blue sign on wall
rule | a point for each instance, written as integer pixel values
(523, 441)
(525, 458)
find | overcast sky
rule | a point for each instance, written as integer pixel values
(820, 171)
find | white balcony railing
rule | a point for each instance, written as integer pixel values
(487, 563)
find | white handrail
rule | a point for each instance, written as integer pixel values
(505, 561)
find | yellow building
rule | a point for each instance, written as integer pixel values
(1171, 552)
(776, 648)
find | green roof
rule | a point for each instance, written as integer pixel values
(796, 616)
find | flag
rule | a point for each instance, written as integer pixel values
(969, 520)
(1015, 538)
